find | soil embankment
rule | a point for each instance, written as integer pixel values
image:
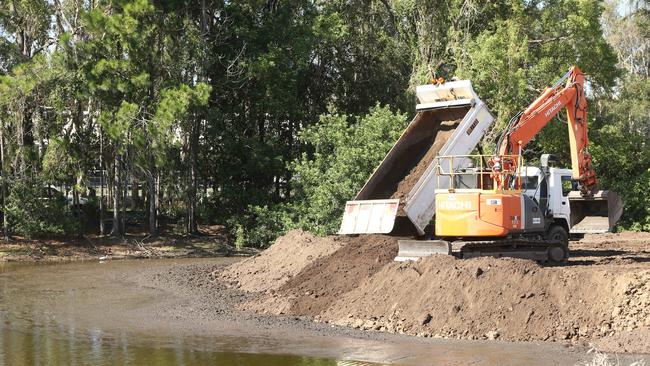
(322, 280)
(282, 261)
(601, 296)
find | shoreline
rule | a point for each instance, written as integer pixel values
(211, 243)
(222, 301)
(601, 296)
(605, 281)
(172, 299)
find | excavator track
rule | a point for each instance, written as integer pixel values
(540, 250)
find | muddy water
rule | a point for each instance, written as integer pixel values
(98, 314)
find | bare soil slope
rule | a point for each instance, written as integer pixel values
(601, 296)
(287, 257)
(505, 298)
(323, 282)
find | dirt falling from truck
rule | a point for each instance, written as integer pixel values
(412, 154)
(445, 130)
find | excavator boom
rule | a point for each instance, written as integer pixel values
(526, 125)
(592, 211)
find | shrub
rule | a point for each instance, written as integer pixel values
(31, 214)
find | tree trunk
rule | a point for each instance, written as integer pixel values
(158, 193)
(192, 227)
(77, 205)
(101, 184)
(288, 175)
(153, 214)
(5, 221)
(123, 193)
(116, 230)
(135, 195)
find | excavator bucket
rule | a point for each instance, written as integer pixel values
(412, 250)
(594, 215)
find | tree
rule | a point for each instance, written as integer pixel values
(343, 152)
(265, 115)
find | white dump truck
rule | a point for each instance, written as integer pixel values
(373, 210)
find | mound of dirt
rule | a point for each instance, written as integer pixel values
(496, 298)
(326, 279)
(445, 130)
(635, 341)
(287, 257)
(599, 295)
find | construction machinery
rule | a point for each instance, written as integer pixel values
(496, 205)
(450, 118)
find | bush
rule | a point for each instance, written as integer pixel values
(30, 214)
(343, 151)
(261, 225)
(620, 146)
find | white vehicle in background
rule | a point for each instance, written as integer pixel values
(50, 193)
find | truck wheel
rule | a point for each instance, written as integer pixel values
(556, 254)
(556, 234)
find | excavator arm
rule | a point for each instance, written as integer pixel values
(528, 123)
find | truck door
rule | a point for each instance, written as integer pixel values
(561, 185)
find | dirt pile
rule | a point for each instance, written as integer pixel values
(445, 130)
(496, 298)
(287, 257)
(600, 296)
(323, 281)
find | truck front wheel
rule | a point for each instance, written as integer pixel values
(559, 235)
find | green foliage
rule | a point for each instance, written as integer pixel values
(621, 149)
(513, 59)
(261, 225)
(58, 163)
(345, 152)
(266, 105)
(31, 213)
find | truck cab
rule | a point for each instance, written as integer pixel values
(550, 191)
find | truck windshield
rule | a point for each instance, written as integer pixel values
(529, 182)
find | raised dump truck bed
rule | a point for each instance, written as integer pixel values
(450, 120)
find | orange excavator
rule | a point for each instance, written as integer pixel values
(495, 205)
(528, 123)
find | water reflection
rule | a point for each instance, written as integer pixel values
(43, 344)
(91, 314)
(40, 312)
